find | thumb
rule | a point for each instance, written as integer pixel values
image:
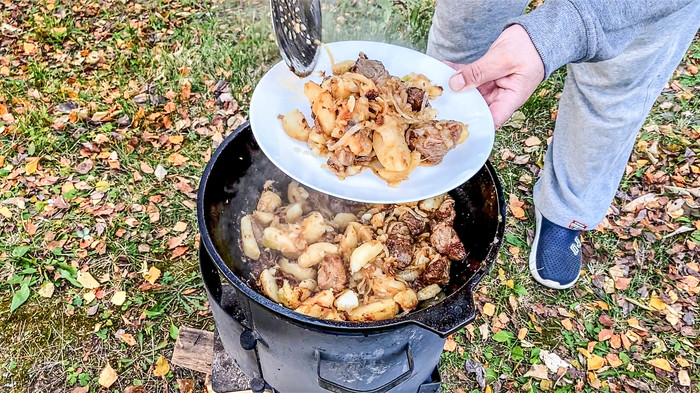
(486, 69)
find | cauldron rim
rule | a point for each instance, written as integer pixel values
(466, 290)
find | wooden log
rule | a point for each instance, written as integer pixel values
(194, 349)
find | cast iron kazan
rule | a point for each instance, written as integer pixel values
(293, 353)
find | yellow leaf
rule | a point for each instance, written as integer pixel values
(28, 47)
(501, 274)
(162, 367)
(489, 309)
(657, 303)
(593, 380)
(46, 289)
(595, 362)
(89, 296)
(102, 186)
(682, 362)
(152, 275)
(107, 377)
(118, 298)
(634, 322)
(5, 212)
(87, 280)
(31, 166)
(510, 284)
(2, 161)
(661, 363)
(177, 159)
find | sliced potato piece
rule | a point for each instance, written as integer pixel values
(277, 239)
(343, 219)
(377, 311)
(292, 297)
(428, 292)
(324, 110)
(347, 300)
(268, 282)
(342, 67)
(393, 178)
(309, 284)
(264, 218)
(323, 299)
(295, 125)
(250, 246)
(390, 145)
(315, 253)
(312, 91)
(406, 299)
(295, 270)
(431, 204)
(269, 201)
(313, 227)
(294, 212)
(364, 254)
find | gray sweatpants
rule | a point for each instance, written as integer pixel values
(602, 108)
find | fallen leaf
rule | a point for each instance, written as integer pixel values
(538, 371)
(605, 334)
(178, 252)
(661, 363)
(28, 48)
(185, 385)
(176, 241)
(626, 343)
(568, 325)
(128, 339)
(593, 380)
(160, 172)
(80, 389)
(145, 168)
(46, 289)
(489, 309)
(107, 376)
(87, 280)
(622, 283)
(180, 226)
(84, 167)
(474, 367)
(634, 323)
(656, 303)
(162, 367)
(118, 298)
(594, 362)
(684, 378)
(31, 166)
(613, 360)
(450, 344)
(522, 333)
(553, 361)
(135, 389)
(5, 212)
(615, 341)
(533, 141)
(177, 159)
(605, 320)
(152, 275)
(682, 362)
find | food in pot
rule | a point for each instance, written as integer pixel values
(365, 117)
(346, 261)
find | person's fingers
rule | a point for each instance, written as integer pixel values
(488, 68)
(451, 64)
(488, 90)
(503, 107)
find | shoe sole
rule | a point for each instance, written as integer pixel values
(533, 260)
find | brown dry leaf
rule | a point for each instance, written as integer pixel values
(32, 165)
(605, 334)
(46, 289)
(28, 48)
(533, 141)
(128, 339)
(145, 168)
(489, 309)
(661, 363)
(538, 371)
(613, 360)
(568, 325)
(522, 333)
(176, 241)
(595, 362)
(162, 367)
(176, 139)
(177, 159)
(684, 378)
(180, 226)
(107, 376)
(450, 344)
(622, 283)
(135, 389)
(615, 341)
(5, 212)
(626, 343)
(152, 275)
(87, 280)
(178, 252)
(593, 380)
(185, 385)
(634, 323)
(682, 362)
(80, 389)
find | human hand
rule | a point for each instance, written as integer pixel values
(506, 75)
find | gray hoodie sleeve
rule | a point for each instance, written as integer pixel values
(570, 31)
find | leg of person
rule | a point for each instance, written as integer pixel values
(601, 110)
(463, 30)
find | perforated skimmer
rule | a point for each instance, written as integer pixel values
(297, 25)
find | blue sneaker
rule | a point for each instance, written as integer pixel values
(555, 259)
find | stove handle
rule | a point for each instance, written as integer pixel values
(337, 388)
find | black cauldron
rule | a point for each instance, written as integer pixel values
(289, 352)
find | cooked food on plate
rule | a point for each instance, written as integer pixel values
(363, 117)
(347, 261)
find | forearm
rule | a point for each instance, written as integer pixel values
(569, 31)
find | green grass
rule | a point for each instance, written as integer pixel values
(153, 49)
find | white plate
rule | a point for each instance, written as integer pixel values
(280, 91)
